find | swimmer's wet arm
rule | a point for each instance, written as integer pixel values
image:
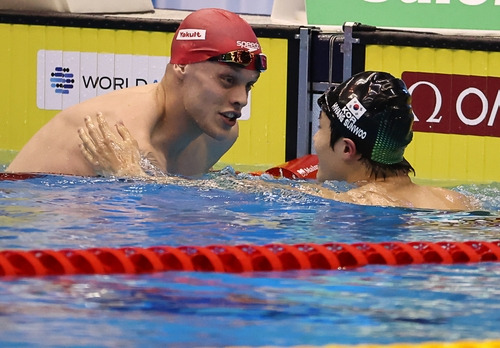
(108, 154)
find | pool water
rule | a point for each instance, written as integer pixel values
(373, 304)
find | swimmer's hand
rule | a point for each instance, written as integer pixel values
(108, 154)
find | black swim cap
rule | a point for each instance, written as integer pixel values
(374, 110)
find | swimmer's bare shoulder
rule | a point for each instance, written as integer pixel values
(414, 196)
(454, 200)
(433, 197)
(54, 148)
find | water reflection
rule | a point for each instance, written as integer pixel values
(373, 304)
(60, 211)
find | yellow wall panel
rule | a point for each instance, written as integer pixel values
(5, 90)
(89, 42)
(159, 43)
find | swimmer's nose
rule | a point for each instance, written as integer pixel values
(239, 97)
(314, 141)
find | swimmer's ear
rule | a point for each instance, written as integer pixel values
(180, 69)
(349, 148)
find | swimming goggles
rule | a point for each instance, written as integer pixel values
(323, 101)
(244, 58)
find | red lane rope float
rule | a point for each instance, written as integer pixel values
(241, 258)
(19, 176)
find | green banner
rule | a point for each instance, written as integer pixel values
(436, 14)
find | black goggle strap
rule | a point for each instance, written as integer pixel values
(324, 102)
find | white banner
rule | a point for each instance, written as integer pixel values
(66, 78)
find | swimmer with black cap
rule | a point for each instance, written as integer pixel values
(184, 123)
(372, 112)
(365, 126)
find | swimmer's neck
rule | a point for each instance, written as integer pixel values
(173, 131)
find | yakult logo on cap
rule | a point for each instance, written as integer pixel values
(191, 34)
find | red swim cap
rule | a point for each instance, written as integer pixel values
(210, 32)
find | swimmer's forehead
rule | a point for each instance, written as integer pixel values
(250, 75)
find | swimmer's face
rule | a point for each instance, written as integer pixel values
(330, 166)
(215, 94)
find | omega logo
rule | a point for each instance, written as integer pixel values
(456, 104)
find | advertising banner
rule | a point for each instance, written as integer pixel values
(455, 104)
(433, 14)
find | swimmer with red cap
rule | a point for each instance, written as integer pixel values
(184, 123)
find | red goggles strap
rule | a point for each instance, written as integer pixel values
(244, 58)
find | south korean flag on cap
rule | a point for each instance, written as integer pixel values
(356, 108)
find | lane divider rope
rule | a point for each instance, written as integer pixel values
(242, 258)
